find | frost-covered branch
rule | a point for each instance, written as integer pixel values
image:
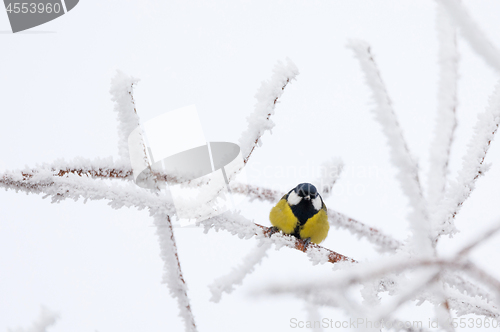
(443, 135)
(225, 284)
(472, 33)
(463, 304)
(128, 120)
(238, 225)
(407, 294)
(321, 290)
(481, 239)
(172, 275)
(384, 242)
(472, 167)
(446, 111)
(72, 186)
(458, 282)
(267, 96)
(400, 154)
(99, 167)
(46, 319)
(442, 272)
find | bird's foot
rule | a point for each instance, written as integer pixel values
(272, 230)
(306, 243)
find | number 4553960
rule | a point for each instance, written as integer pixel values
(25, 7)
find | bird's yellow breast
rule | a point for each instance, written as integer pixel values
(316, 227)
(281, 216)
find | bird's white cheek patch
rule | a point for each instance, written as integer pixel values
(293, 198)
(317, 203)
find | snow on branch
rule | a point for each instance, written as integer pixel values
(267, 96)
(385, 272)
(446, 111)
(99, 167)
(399, 152)
(73, 186)
(458, 282)
(225, 284)
(172, 275)
(406, 294)
(472, 167)
(238, 225)
(464, 304)
(427, 272)
(472, 33)
(46, 319)
(128, 120)
(384, 242)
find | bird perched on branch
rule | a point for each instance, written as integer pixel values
(301, 213)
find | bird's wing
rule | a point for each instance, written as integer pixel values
(282, 216)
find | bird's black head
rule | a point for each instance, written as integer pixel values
(306, 190)
(304, 201)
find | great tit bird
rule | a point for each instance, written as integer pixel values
(301, 213)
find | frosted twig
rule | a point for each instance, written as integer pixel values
(320, 291)
(444, 130)
(172, 275)
(46, 319)
(128, 120)
(472, 33)
(446, 111)
(464, 304)
(257, 192)
(75, 187)
(99, 167)
(406, 295)
(481, 239)
(472, 166)
(267, 96)
(238, 225)
(226, 283)
(384, 242)
(455, 280)
(400, 154)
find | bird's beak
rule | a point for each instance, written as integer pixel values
(307, 197)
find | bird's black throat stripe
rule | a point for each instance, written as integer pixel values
(303, 211)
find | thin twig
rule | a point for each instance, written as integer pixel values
(267, 98)
(400, 153)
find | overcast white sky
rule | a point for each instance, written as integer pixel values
(100, 268)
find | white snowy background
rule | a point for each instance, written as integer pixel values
(100, 269)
